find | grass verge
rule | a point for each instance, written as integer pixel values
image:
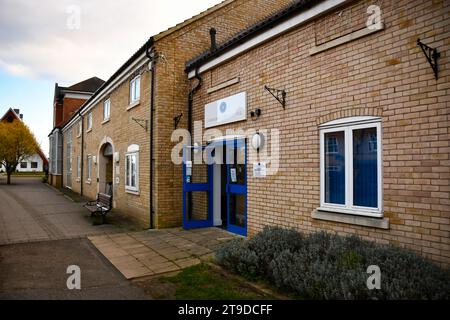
(201, 282)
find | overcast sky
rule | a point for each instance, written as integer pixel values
(66, 41)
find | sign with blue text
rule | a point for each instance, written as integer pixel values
(227, 110)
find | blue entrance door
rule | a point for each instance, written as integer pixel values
(236, 187)
(197, 189)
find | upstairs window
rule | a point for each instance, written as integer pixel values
(350, 171)
(106, 109)
(79, 128)
(135, 89)
(89, 121)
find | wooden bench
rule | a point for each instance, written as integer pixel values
(101, 206)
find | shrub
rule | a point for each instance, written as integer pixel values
(328, 266)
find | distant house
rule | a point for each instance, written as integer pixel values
(36, 163)
(66, 101)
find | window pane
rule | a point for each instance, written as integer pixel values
(138, 88)
(197, 204)
(127, 171)
(335, 167)
(365, 174)
(133, 170)
(237, 209)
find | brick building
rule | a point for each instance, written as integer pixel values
(66, 101)
(109, 141)
(363, 134)
(340, 89)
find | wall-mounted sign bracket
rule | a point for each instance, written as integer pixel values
(280, 95)
(177, 119)
(432, 56)
(143, 123)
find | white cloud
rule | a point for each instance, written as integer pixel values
(36, 39)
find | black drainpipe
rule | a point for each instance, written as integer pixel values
(150, 53)
(191, 100)
(82, 154)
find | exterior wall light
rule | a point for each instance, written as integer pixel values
(257, 141)
(116, 156)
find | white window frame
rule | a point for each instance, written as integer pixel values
(89, 169)
(78, 167)
(106, 106)
(89, 121)
(79, 128)
(135, 91)
(347, 125)
(132, 150)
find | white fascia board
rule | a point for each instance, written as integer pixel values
(86, 108)
(77, 95)
(283, 27)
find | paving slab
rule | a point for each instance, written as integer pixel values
(155, 252)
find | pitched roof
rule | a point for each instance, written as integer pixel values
(192, 19)
(250, 32)
(88, 85)
(13, 113)
(149, 43)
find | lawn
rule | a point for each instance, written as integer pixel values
(201, 282)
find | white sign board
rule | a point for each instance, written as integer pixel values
(259, 170)
(227, 110)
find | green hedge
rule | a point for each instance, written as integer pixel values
(328, 266)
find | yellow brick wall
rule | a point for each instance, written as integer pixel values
(122, 131)
(172, 90)
(384, 74)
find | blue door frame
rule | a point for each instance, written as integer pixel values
(189, 187)
(236, 189)
(231, 188)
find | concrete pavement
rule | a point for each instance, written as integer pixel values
(38, 271)
(32, 211)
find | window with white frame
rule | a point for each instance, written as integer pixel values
(350, 168)
(135, 89)
(132, 168)
(78, 167)
(89, 168)
(69, 151)
(106, 109)
(89, 121)
(79, 128)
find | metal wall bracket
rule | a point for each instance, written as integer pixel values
(280, 95)
(143, 123)
(177, 119)
(432, 56)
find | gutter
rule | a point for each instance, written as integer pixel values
(150, 53)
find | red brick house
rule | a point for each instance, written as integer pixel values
(66, 101)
